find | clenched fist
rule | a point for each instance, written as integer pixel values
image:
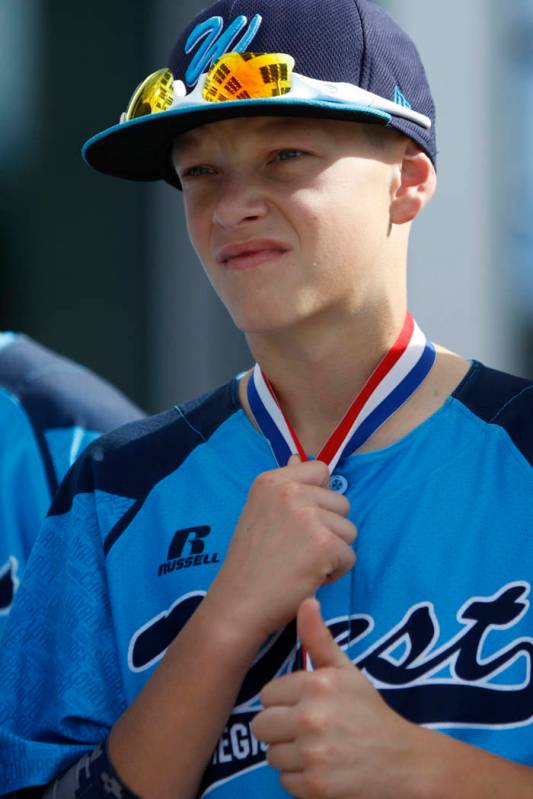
(330, 734)
(291, 538)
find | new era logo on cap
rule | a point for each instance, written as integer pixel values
(399, 98)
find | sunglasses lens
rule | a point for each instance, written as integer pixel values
(245, 76)
(154, 94)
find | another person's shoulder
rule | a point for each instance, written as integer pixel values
(503, 400)
(129, 461)
(56, 392)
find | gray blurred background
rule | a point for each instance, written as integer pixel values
(101, 270)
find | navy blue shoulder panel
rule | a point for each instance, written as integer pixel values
(502, 399)
(56, 392)
(130, 461)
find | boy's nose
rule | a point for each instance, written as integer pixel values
(240, 201)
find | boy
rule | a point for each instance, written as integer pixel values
(190, 542)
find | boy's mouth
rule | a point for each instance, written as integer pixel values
(251, 253)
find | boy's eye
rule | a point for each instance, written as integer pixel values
(197, 171)
(288, 155)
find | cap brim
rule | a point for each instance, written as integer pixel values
(140, 149)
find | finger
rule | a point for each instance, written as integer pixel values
(285, 757)
(341, 560)
(310, 473)
(316, 638)
(313, 472)
(328, 499)
(275, 725)
(318, 496)
(295, 784)
(286, 690)
(341, 527)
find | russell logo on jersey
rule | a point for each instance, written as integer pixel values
(187, 549)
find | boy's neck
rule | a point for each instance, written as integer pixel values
(318, 369)
(317, 380)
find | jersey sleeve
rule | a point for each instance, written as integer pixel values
(51, 409)
(24, 499)
(60, 684)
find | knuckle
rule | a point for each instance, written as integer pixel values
(336, 573)
(264, 481)
(344, 505)
(351, 557)
(310, 755)
(307, 516)
(325, 542)
(311, 720)
(344, 554)
(323, 683)
(352, 533)
(327, 556)
(322, 469)
(343, 566)
(316, 783)
(315, 756)
(256, 726)
(265, 694)
(289, 493)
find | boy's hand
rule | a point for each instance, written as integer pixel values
(329, 732)
(292, 537)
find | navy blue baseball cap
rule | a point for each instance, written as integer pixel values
(351, 62)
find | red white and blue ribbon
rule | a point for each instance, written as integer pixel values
(390, 385)
(393, 381)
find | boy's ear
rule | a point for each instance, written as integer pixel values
(416, 186)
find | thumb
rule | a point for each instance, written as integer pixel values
(293, 460)
(316, 638)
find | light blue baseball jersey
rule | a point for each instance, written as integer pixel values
(50, 410)
(436, 611)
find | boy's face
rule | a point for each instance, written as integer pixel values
(290, 217)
